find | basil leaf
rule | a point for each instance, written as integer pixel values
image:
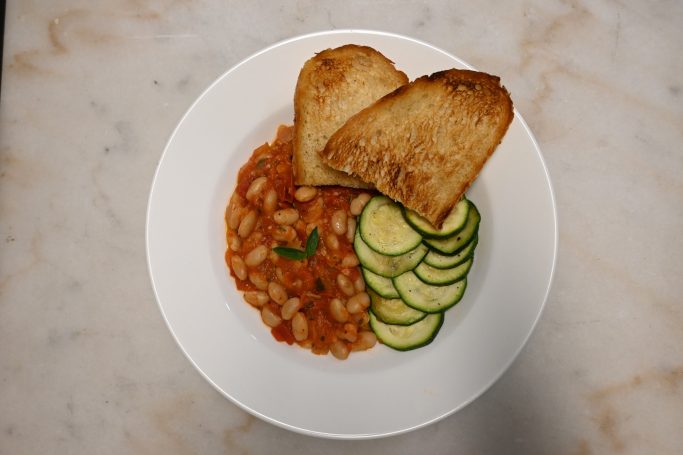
(290, 253)
(312, 242)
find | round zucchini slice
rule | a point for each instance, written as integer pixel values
(457, 242)
(387, 266)
(453, 223)
(407, 337)
(442, 261)
(384, 287)
(441, 277)
(385, 230)
(426, 297)
(394, 311)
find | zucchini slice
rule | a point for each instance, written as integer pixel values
(453, 223)
(385, 230)
(394, 311)
(426, 297)
(387, 266)
(381, 285)
(441, 277)
(441, 261)
(407, 337)
(457, 242)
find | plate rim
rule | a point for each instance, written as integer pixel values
(285, 425)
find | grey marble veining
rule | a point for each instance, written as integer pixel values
(92, 90)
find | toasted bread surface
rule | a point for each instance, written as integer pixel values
(425, 143)
(332, 86)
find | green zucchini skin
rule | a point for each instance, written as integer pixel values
(387, 266)
(426, 297)
(394, 311)
(442, 277)
(443, 261)
(394, 336)
(453, 223)
(383, 286)
(452, 245)
(385, 230)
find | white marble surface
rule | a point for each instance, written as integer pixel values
(92, 90)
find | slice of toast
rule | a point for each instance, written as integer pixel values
(332, 86)
(426, 142)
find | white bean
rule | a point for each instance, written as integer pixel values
(338, 222)
(350, 332)
(284, 233)
(305, 193)
(270, 201)
(290, 308)
(359, 283)
(349, 260)
(256, 256)
(256, 188)
(345, 285)
(247, 224)
(286, 216)
(350, 229)
(256, 298)
(238, 267)
(259, 280)
(331, 241)
(234, 242)
(365, 340)
(339, 350)
(234, 215)
(358, 203)
(338, 310)
(358, 303)
(299, 327)
(277, 292)
(270, 318)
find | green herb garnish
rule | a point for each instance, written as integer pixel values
(298, 255)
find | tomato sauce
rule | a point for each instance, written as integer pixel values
(265, 212)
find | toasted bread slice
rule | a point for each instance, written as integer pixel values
(332, 86)
(425, 143)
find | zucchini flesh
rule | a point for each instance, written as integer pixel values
(453, 223)
(384, 287)
(387, 266)
(457, 242)
(426, 297)
(407, 337)
(385, 230)
(394, 311)
(441, 261)
(441, 277)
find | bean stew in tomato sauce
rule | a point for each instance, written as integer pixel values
(318, 302)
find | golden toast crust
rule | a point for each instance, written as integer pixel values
(425, 143)
(332, 86)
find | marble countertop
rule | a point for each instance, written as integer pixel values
(92, 90)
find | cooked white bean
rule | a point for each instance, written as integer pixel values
(358, 203)
(338, 222)
(359, 283)
(299, 327)
(280, 274)
(331, 241)
(277, 292)
(234, 215)
(305, 193)
(339, 350)
(270, 317)
(284, 233)
(286, 216)
(234, 242)
(256, 256)
(345, 285)
(256, 188)
(349, 260)
(270, 201)
(365, 340)
(256, 298)
(290, 308)
(350, 229)
(259, 280)
(247, 224)
(238, 267)
(350, 332)
(338, 310)
(358, 302)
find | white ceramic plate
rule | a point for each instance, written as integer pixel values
(380, 392)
